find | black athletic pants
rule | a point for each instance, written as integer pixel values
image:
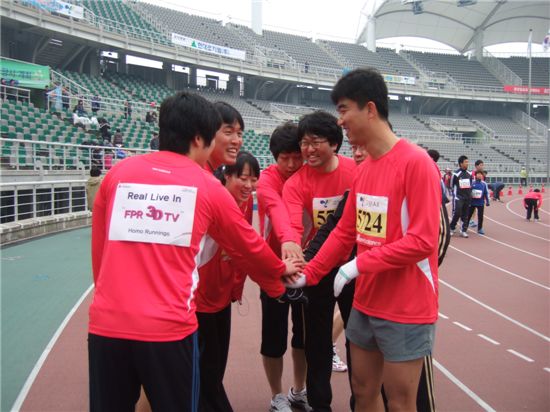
(532, 207)
(214, 334)
(480, 210)
(319, 315)
(168, 372)
(461, 209)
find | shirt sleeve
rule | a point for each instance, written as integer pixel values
(275, 209)
(98, 228)
(336, 248)
(294, 201)
(421, 237)
(249, 251)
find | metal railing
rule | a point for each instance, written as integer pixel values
(18, 154)
(31, 200)
(526, 121)
(499, 69)
(14, 93)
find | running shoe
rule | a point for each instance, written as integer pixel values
(280, 403)
(338, 365)
(481, 232)
(453, 232)
(299, 400)
(472, 223)
(463, 234)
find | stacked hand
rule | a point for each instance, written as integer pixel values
(345, 274)
(291, 250)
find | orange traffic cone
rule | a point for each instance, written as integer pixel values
(542, 189)
(510, 193)
(491, 194)
(530, 188)
(520, 191)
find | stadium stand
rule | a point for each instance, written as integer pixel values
(539, 69)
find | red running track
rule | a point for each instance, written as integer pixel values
(492, 347)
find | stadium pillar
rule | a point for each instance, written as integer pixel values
(192, 76)
(371, 34)
(168, 75)
(122, 66)
(93, 60)
(234, 86)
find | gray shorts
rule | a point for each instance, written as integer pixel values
(398, 342)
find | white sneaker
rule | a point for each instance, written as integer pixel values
(299, 400)
(338, 365)
(280, 403)
(463, 234)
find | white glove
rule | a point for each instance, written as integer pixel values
(345, 274)
(300, 283)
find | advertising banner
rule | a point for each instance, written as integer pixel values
(525, 89)
(58, 6)
(27, 74)
(181, 40)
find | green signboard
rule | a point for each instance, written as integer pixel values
(27, 74)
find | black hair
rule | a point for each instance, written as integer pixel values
(461, 159)
(322, 124)
(184, 116)
(481, 172)
(478, 162)
(95, 172)
(284, 139)
(537, 190)
(363, 86)
(434, 154)
(243, 158)
(229, 114)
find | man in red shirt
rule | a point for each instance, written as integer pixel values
(276, 229)
(150, 217)
(312, 194)
(393, 217)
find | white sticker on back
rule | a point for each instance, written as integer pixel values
(153, 214)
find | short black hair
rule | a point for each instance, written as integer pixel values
(184, 116)
(478, 162)
(363, 86)
(322, 124)
(480, 172)
(537, 190)
(461, 159)
(284, 139)
(434, 154)
(95, 172)
(243, 158)
(229, 114)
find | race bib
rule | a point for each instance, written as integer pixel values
(153, 214)
(476, 194)
(464, 183)
(323, 207)
(371, 215)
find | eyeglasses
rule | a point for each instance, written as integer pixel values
(316, 144)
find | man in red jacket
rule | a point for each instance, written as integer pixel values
(151, 214)
(393, 217)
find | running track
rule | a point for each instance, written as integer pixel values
(492, 344)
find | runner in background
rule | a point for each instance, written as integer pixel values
(480, 199)
(532, 202)
(479, 167)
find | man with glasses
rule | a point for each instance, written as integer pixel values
(311, 195)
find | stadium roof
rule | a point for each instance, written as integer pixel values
(500, 21)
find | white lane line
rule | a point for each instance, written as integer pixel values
(540, 285)
(517, 230)
(488, 339)
(520, 355)
(515, 248)
(463, 387)
(40, 362)
(522, 216)
(496, 312)
(441, 315)
(460, 325)
(547, 370)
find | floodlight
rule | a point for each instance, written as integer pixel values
(463, 3)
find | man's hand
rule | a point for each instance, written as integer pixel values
(291, 250)
(293, 266)
(295, 281)
(345, 274)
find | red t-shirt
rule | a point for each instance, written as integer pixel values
(393, 216)
(274, 222)
(150, 218)
(311, 196)
(220, 281)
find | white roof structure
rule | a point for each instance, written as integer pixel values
(490, 21)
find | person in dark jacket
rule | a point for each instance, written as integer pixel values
(462, 192)
(480, 197)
